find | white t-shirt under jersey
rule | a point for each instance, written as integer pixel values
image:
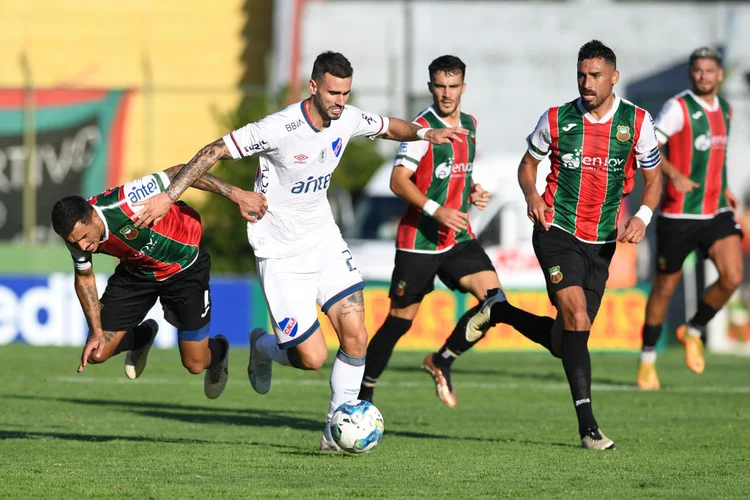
(296, 164)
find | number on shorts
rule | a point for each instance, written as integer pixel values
(349, 260)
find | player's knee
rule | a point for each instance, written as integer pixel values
(731, 279)
(354, 343)
(194, 365)
(96, 358)
(578, 321)
(312, 360)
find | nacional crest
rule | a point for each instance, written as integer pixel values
(623, 133)
(555, 275)
(129, 232)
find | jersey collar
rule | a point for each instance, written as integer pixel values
(307, 116)
(605, 118)
(104, 221)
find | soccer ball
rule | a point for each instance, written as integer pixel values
(357, 426)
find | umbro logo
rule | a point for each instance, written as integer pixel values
(569, 126)
(300, 158)
(697, 115)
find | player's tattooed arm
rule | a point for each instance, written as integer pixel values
(206, 183)
(197, 166)
(85, 286)
(354, 303)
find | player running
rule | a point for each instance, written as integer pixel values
(596, 143)
(696, 211)
(302, 258)
(434, 236)
(164, 261)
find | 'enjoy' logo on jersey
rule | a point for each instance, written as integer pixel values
(312, 184)
(573, 161)
(450, 169)
(704, 142)
(336, 147)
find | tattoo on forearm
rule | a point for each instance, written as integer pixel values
(215, 185)
(355, 303)
(195, 168)
(108, 336)
(85, 286)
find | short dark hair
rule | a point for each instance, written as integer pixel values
(333, 63)
(705, 53)
(596, 49)
(447, 64)
(68, 212)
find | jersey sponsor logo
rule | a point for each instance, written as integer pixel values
(336, 146)
(323, 155)
(129, 232)
(573, 161)
(262, 182)
(312, 184)
(141, 189)
(403, 148)
(258, 146)
(697, 115)
(623, 133)
(148, 247)
(450, 169)
(569, 127)
(555, 275)
(289, 326)
(300, 158)
(368, 118)
(704, 142)
(293, 125)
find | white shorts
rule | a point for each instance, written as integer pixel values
(293, 285)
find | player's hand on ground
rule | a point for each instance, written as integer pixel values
(732, 200)
(94, 344)
(452, 218)
(446, 135)
(683, 184)
(154, 209)
(635, 230)
(479, 196)
(536, 210)
(252, 205)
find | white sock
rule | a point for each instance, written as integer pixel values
(346, 377)
(267, 346)
(648, 356)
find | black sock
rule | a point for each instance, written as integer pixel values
(218, 350)
(703, 315)
(577, 365)
(456, 344)
(134, 338)
(537, 329)
(381, 347)
(651, 334)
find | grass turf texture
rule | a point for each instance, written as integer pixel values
(97, 434)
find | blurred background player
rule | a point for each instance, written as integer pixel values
(596, 143)
(302, 258)
(434, 235)
(696, 211)
(164, 261)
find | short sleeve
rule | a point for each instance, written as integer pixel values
(647, 147)
(257, 137)
(410, 154)
(540, 139)
(81, 259)
(669, 121)
(367, 124)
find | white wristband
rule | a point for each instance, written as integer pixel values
(421, 133)
(430, 206)
(644, 213)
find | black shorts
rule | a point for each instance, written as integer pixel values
(676, 238)
(414, 273)
(567, 261)
(185, 298)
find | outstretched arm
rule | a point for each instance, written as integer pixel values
(85, 286)
(403, 131)
(252, 205)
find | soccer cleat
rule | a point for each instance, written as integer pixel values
(480, 322)
(648, 380)
(135, 360)
(326, 442)
(693, 349)
(217, 375)
(594, 439)
(366, 392)
(259, 366)
(442, 378)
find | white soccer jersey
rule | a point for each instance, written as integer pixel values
(671, 119)
(296, 164)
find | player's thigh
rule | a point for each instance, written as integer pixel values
(563, 262)
(598, 258)
(675, 239)
(572, 304)
(469, 269)
(195, 354)
(290, 286)
(125, 302)
(186, 300)
(723, 244)
(413, 277)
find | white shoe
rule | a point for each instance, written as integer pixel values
(326, 442)
(259, 366)
(135, 360)
(596, 440)
(216, 376)
(480, 322)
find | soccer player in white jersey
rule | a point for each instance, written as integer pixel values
(302, 258)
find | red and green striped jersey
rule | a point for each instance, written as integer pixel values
(443, 173)
(696, 135)
(593, 163)
(154, 253)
